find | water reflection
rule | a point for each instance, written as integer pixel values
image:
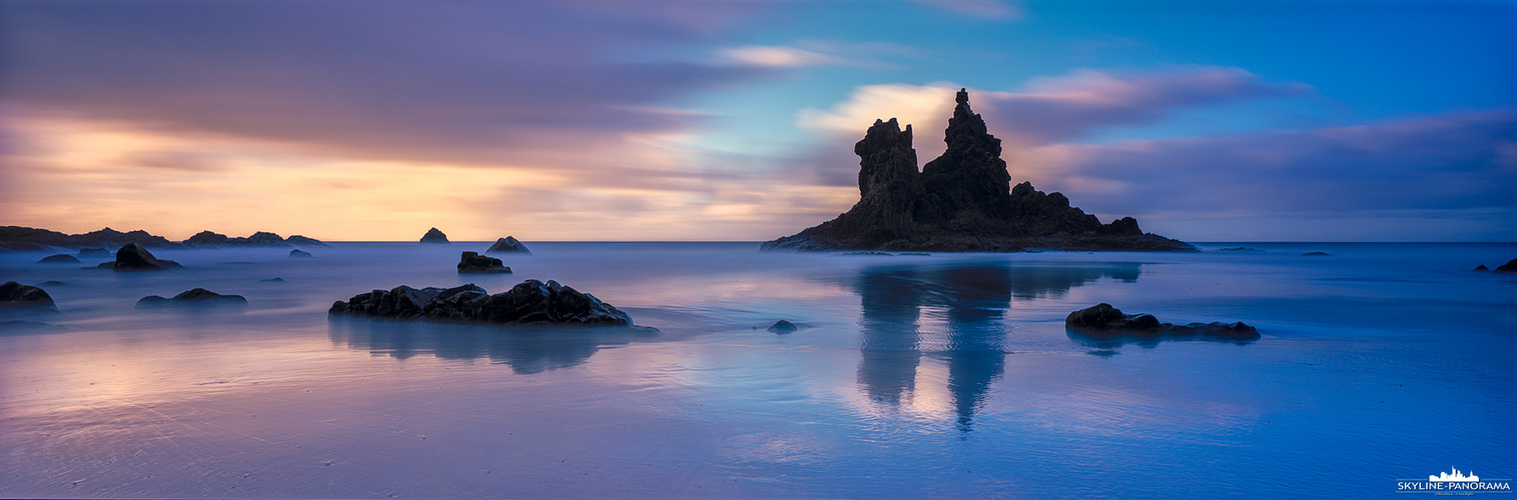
(1107, 344)
(953, 314)
(526, 349)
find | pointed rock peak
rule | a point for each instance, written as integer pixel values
(434, 236)
(963, 97)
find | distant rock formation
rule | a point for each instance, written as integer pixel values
(18, 297)
(299, 254)
(1481, 268)
(1103, 319)
(211, 239)
(25, 238)
(434, 236)
(197, 297)
(473, 263)
(133, 257)
(508, 244)
(530, 302)
(958, 202)
(1509, 267)
(61, 258)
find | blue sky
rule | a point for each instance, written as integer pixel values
(696, 120)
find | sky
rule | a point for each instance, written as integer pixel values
(599, 120)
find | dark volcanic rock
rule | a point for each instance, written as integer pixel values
(434, 236)
(471, 262)
(958, 202)
(782, 327)
(94, 252)
(15, 296)
(530, 302)
(133, 257)
(1104, 320)
(61, 258)
(193, 298)
(300, 254)
(1509, 267)
(1481, 268)
(508, 244)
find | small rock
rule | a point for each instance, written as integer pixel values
(300, 254)
(1509, 267)
(193, 297)
(61, 258)
(1481, 268)
(16, 296)
(530, 302)
(272, 280)
(782, 327)
(1103, 319)
(434, 236)
(1316, 254)
(470, 263)
(508, 244)
(133, 257)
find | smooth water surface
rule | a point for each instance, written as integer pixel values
(946, 375)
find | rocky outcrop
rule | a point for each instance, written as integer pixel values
(1509, 267)
(198, 297)
(133, 257)
(530, 302)
(61, 258)
(473, 263)
(304, 241)
(211, 239)
(507, 245)
(1104, 320)
(434, 236)
(18, 297)
(26, 238)
(960, 201)
(1481, 268)
(782, 327)
(299, 254)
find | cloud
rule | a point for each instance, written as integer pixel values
(784, 57)
(985, 9)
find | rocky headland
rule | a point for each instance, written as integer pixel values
(959, 202)
(91, 244)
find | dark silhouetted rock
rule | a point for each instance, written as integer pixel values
(26, 238)
(55, 283)
(1509, 267)
(272, 280)
(1239, 249)
(508, 244)
(300, 254)
(434, 236)
(18, 297)
(206, 239)
(1316, 254)
(94, 252)
(471, 262)
(1103, 319)
(304, 241)
(1481, 268)
(198, 297)
(958, 202)
(134, 257)
(782, 327)
(61, 258)
(530, 302)
(209, 239)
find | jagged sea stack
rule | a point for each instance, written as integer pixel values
(434, 236)
(960, 201)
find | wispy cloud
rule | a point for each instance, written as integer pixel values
(985, 9)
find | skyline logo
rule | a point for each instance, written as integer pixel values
(1454, 482)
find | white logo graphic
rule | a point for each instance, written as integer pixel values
(1456, 477)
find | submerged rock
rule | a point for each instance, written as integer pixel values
(1103, 319)
(192, 298)
(1509, 267)
(782, 327)
(434, 236)
(1316, 254)
(530, 302)
(473, 263)
(958, 202)
(300, 254)
(61, 258)
(508, 244)
(134, 257)
(18, 297)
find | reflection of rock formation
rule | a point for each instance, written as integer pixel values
(971, 299)
(525, 349)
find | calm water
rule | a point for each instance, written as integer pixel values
(939, 376)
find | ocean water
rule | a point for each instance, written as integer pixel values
(945, 375)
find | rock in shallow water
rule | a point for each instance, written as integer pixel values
(508, 244)
(16, 296)
(61, 258)
(133, 257)
(192, 298)
(530, 302)
(782, 327)
(1103, 319)
(473, 263)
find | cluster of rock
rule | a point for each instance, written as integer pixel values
(1509, 267)
(25, 238)
(530, 302)
(473, 263)
(25, 298)
(959, 202)
(1104, 320)
(198, 297)
(508, 244)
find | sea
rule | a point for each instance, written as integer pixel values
(939, 375)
